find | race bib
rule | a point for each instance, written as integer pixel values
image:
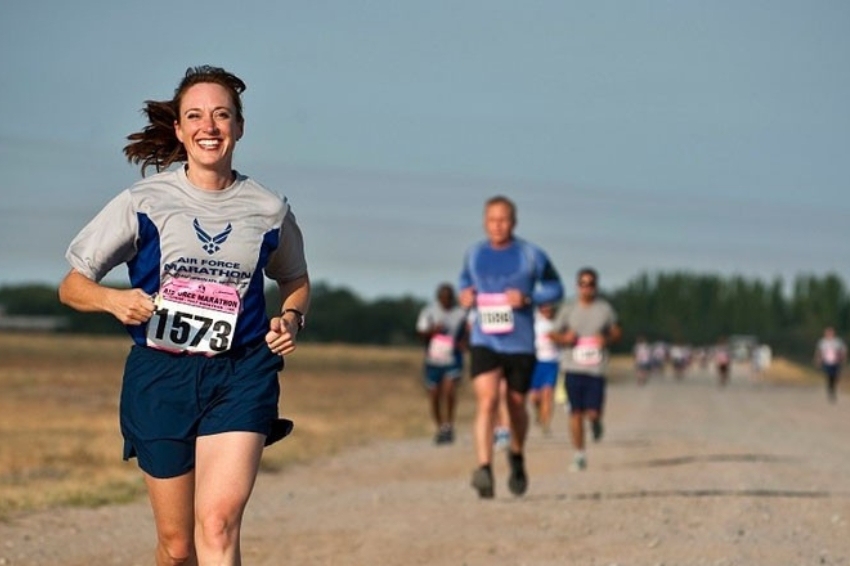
(495, 315)
(587, 351)
(830, 356)
(198, 317)
(441, 350)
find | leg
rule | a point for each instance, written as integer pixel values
(577, 429)
(227, 465)
(518, 419)
(547, 403)
(434, 394)
(172, 501)
(486, 387)
(450, 396)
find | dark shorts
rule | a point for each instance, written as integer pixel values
(517, 368)
(169, 400)
(434, 375)
(545, 375)
(585, 392)
(831, 370)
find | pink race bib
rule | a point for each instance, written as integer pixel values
(198, 317)
(495, 315)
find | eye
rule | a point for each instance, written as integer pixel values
(193, 115)
(222, 115)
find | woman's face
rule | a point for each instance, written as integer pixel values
(207, 127)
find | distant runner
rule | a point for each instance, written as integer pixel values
(722, 360)
(585, 328)
(545, 375)
(642, 353)
(830, 354)
(442, 326)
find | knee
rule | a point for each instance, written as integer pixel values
(217, 531)
(177, 549)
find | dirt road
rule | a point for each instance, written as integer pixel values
(687, 474)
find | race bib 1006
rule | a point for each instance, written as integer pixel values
(495, 315)
(194, 316)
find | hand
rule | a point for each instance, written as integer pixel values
(515, 298)
(567, 338)
(466, 298)
(130, 306)
(281, 335)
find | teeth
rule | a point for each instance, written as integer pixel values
(208, 143)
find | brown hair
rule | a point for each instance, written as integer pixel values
(157, 145)
(500, 199)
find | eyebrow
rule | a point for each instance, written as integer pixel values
(216, 109)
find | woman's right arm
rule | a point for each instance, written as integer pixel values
(130, 306)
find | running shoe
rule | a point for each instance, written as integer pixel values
(596, 427)
(579, 463)
(518, 482)
(482, 480)
(445, 435)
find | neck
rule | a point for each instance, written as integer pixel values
(210, 179)
(502, 244)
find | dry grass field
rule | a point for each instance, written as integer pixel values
(59, 438)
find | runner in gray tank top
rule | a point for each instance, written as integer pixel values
(200, 393)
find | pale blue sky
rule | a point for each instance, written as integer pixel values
(633, 135)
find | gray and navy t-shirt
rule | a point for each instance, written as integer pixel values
(587, 356)
(163, 227)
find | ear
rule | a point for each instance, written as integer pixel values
(178, 131)
(240, 130)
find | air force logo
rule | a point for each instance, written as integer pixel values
(211, 244)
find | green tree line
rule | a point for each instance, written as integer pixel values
(678, 306)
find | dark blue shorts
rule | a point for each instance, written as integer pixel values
(434, 375)
(545, 375)
(169, 400)
(585, 392)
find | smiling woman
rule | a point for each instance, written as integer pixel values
(200, 394)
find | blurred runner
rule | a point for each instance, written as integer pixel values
(722, 360)
(642, 353)
(830, 355)
(442, 326)
(503, 277)
(585, 328)
(545, 374)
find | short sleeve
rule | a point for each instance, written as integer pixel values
(288, 261)
(108, 240)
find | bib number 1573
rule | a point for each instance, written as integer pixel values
(195, 317)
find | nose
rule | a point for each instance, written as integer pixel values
(209, 124)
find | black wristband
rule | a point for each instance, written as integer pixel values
(299, 317)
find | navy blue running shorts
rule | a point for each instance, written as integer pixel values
(517, 368)
(169, 400)
(585, 392)
(434, 375)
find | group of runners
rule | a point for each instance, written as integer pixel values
(200, 391)
(650, 359)
(519, 338)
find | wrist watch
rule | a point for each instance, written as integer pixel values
(299, 317)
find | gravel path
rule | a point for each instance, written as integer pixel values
(687, 474)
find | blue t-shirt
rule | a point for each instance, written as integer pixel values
(522, 266)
